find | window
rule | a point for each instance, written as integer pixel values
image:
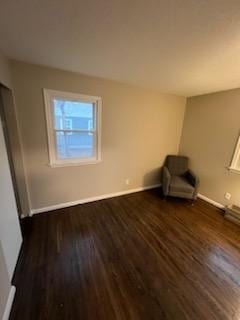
(235, 163)
(68, 123)
(73, 125)
(90, 124)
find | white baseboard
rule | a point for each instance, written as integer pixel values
(216, 204)
(9, 303)
(101, 197)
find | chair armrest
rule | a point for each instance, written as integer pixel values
(166, 178)
(192, 178)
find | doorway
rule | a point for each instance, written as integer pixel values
(14, 150)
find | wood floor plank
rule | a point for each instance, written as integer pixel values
(133, 257)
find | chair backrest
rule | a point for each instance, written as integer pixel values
(177, 165)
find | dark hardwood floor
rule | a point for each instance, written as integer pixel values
(131, 257)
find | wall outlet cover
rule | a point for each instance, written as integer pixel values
(227, 195)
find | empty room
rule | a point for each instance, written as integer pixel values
(120, 160)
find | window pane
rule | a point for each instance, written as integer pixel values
(73, 115)
(72, 145)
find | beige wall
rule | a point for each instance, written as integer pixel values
(210, 131)
(5, 75)
(139, 127)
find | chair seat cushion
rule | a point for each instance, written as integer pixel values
(180, 184)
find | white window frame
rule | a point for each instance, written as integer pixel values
(49, 96)
(233, 166)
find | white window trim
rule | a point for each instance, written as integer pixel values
(233, 166)
(49, 95)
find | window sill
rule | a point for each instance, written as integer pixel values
(233, 170)
(73, 164)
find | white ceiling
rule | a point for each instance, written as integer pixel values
(185, 47)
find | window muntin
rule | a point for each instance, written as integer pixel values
(73, 127)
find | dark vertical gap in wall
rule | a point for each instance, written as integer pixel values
(9, 149)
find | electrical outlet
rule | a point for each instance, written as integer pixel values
(127, 181)
(227, 195)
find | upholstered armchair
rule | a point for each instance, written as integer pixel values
(177, 179)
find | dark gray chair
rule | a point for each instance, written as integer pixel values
(177, 179)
